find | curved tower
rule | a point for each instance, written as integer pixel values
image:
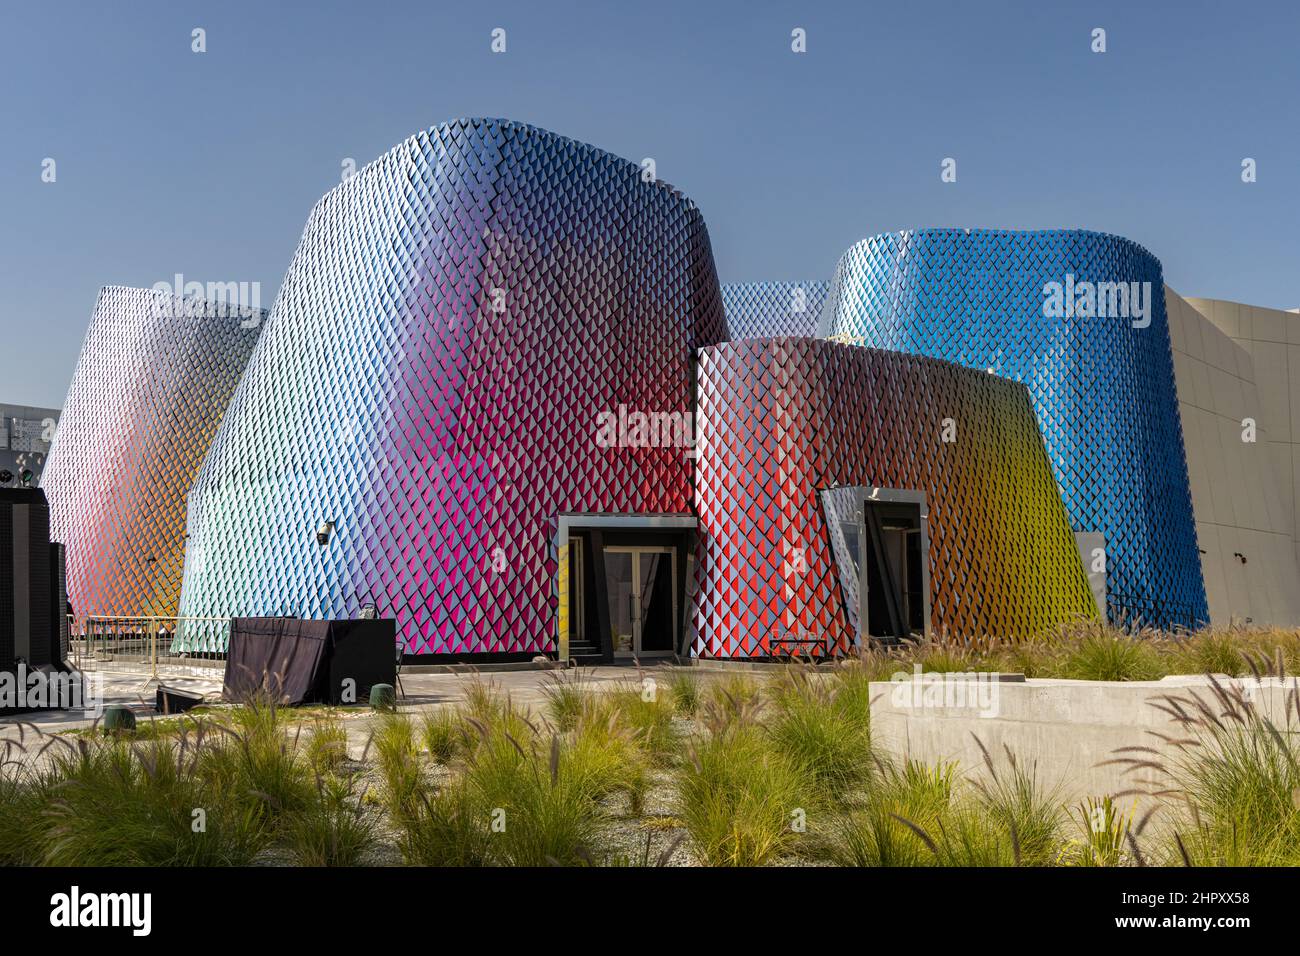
(810, 451)
(152, 383)
(1079, 318)
(460, 318)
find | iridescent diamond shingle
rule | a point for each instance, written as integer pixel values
(148, 393)
(457, 316)
(756, 309)
(1103, 389)
(784, 420)
(464, 317)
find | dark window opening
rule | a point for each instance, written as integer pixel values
(893, 570)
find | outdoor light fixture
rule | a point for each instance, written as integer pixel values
(323, 533)
(1240, 556)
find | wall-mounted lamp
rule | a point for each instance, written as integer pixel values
(1240, 556)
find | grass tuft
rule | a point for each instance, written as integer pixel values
(398, 761)
(335, 829)
(327, 746)
(444, 734)
(685, 691)
(824, 729)
(741, 800)
(1102, 655)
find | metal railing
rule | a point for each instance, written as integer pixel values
(1134, 614)
(164, 645)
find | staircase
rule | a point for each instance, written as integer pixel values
(584, 652)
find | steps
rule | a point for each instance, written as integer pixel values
(584, 652)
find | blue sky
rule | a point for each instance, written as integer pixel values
(208, 164)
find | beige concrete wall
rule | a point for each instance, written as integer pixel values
(1271, 337)
(1242, 493)
(1068, 729)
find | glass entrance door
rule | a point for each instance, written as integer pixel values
(641, 584)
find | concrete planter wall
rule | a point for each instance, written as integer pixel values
(1067, 728)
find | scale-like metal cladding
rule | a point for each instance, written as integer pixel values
(154, 378)
(781, 420)
(759, 309)
(1079, 318)
(457, 318)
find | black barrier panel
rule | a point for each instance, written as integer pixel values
(32, 600)
(300, 661)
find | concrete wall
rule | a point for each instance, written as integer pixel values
(1271, 337)
(1242, 494)
(1068, 729)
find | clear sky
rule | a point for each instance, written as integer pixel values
(169, 161)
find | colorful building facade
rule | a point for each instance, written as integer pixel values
(150, 388)
(502, 398)
(947, 490)
(1078, 317)
(465, 332)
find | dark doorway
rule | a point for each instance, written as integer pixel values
(893, 570)
(626, 590)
